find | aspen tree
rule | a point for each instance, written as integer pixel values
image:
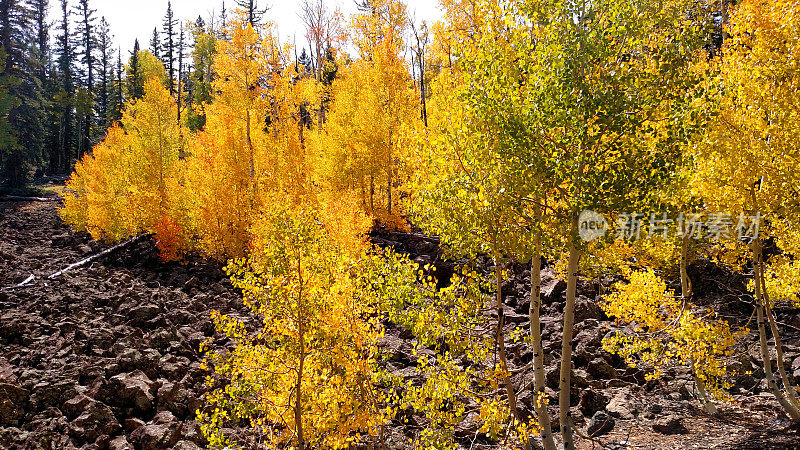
(307, 378)
(124, 187)
(748, 162)
(542, 76)
(371, 102)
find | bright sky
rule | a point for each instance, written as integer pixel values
(131, 19)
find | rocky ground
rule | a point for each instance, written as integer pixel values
(106, 356)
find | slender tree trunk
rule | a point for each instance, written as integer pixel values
(702, 395)
(787, 384)
(501, 344)
(298, 406)
(250, 150)
(372, 194)
(565, 421)
(390, 174)
(686, 292)
(686, 283)
(538, 353)
(789, 408)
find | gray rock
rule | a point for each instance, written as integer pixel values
(620, 407)
(600, 424)
(185, 445)
(172, 396)
(142, 314)
(600, 369)
(552, 288)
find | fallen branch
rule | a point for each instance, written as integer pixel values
(23, 284)
(93, 258)
(14, 198)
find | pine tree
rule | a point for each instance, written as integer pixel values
(40, 8)
(135, 80)
(223, 17)
(63, 99)
(48, 81)
(106, 67)
(85, 99)
(202, 74)
(179, 95)
(155, 44)
(170, 35)
(118, 99)
(253, 13)
(22, 151)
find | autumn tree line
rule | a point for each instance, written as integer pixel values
(494, 129)
(64, 82)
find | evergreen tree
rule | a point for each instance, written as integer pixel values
(201, 75)
(40, 8)
(48, 82)
(155, 44)
(106, 66)
(85, 99)
(223, 17)
(254, 14)
(170, 35)
(179, 96)
(134, 78)
(21, 149)
(118, 98)
(63, 99)
(305, 61)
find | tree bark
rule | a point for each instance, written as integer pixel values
(789, 408)
(501, 345)
(538, 353)
(389, 176)
(250, 150)
(298, 406)
(372, 194)
(686, 292)
(787, 384)
(565, 421)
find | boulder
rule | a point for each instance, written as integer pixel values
(600, 369)
(140, 315)
(620, 407)
(600, 424)
(13, 399)
(172, 396)
(120, 443)
(132, 389)
(552, 288)
(185, 445)
(75, 406)
(591, 401)
(670, 424)
(586, 309)
(164, 431)
(96, 420)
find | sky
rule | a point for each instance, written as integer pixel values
(131, 19)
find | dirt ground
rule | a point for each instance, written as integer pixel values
(106, 356)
